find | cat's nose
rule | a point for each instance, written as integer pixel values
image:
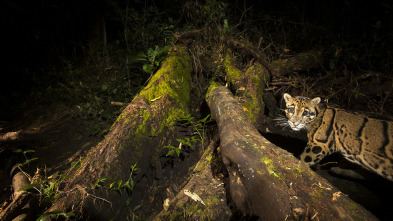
(295, 124)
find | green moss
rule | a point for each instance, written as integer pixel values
(213, 85)
(232, 72)
(297, 171)
(172, 80)
(283, 64)
(353, 209)
(317, 194)
(271, 169)
(252, 108)
(209, 158)
(254, 103)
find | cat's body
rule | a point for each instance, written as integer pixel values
(358, 137)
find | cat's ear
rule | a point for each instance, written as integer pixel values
(316, 101)
(287, 98)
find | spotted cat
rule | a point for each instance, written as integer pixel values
(360, 138)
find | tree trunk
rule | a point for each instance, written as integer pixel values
(138, 136)
(267, 181)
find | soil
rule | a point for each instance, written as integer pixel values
(48, 133)
(52, 135)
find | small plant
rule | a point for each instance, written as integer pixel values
(173, 149)
(199, 126)
(118, 185)
(100, 182)
(152, 59)
(187, 141)
(121, 186)
(357, 93)
(48, 189)
(54, 214)
(25, 155)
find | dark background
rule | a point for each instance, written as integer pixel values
(37, 35)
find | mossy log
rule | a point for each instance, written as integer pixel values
(249, 86)
(138, 137)
(267, 181)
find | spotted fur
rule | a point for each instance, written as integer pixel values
(360, 138)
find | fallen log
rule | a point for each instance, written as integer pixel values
(267, 181)
(298, 62)
(280, 67)
(249, 86)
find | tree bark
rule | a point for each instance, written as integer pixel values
(210, 189)
(267, 181)
(138, 136)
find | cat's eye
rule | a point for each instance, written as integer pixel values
(305, 113)
(292, 110)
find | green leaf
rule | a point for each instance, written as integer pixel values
(127, 186)
(104, 86)
(204, 120)
(163, 50)
(128, 201)
(139, 58)
(119, 182)
(150, 53)
(225, 25)
(132, 184)
(46, 216)
(193, 139)
(28, 161)
(99, 182)
(29, 151)
(137, 207)
(27, 187)
(170, 152)
(111, 185)
(147, 68)
(74, 163)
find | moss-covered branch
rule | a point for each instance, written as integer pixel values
(249, 85)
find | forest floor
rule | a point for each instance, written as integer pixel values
(58, 139)
(50, 138)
